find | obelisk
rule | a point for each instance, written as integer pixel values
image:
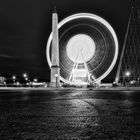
(55, 69)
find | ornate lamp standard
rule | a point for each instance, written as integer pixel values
(127, 74)
(56, 76)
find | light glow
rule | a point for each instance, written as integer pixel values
(79, 73)
(127, 73)
(14, 77)
(93, 17)
(56, 75)
(24, 75)
(80, 44)
(35, 80)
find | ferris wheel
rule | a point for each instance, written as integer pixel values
(88, 46)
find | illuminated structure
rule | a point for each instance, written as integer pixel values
(129, 64)
(79, 53)
(88, 48)
(55, 70)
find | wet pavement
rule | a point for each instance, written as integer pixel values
(77, 115)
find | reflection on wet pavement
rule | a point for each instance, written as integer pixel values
(41, 115)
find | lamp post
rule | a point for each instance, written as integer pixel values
(35, 80)
(17, 83)
(14, 78)
(56, 76)
(24, 75)
(127, 74)
(26, 78)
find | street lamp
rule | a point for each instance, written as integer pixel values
(26, 78)
(127, 73)
(35, 80)
(56, 76)
(18, 84)
(14, 77)
(24, 75)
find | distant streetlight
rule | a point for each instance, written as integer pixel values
(56, 76)
(24, 75)
(18, 83)
(14, 77)
(35, 80)
(127, 77)
(127, 73)
(26, 78)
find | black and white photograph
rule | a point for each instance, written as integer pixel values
(69, 70)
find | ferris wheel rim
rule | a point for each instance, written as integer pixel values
(94, 17)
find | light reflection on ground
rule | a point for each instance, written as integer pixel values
(69, 115)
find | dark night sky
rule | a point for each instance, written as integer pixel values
(25, 26)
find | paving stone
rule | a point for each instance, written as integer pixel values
(78, 115)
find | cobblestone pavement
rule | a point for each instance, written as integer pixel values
(76, 115)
